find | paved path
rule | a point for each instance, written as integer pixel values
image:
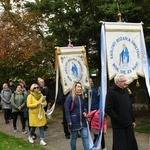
(55, 139)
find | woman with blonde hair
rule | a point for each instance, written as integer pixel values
(36, 103)
(6, 102)
(75, 107)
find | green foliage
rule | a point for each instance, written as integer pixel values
(8, 142)
(79, 19)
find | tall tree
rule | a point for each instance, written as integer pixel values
(23, 52)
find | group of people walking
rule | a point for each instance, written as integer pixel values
(76, 112)
(118, 107)
(28, 104)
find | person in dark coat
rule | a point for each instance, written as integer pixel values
(62, 98)
(11, 85)
(75, 107)
(45, 91)
(119, 108)
(95, 94)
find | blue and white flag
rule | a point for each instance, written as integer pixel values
(126, 51)
(123, 51)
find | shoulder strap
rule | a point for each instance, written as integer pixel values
(93, 115)
(15, 94)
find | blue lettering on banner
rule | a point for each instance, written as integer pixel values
(129, 71)
(135, 66)
(112, 49)
(123, 39)
(125, 66)
(136, 48)
(123, 71)
(115, 67)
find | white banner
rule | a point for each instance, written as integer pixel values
(73, 67)
(124, 50)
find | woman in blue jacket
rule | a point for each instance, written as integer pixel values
(75, 106)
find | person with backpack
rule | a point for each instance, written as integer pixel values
(6, 102)
(75, 106)
(18, 106)
(46, 92)
(95, 127)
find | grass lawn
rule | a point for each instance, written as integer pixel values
(143, 123)
(8, 142)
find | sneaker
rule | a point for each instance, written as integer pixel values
(30, 139)
(24, 131)
(15, 130)
(42, 143)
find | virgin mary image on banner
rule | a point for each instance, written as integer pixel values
(74, 70)
(124, 57)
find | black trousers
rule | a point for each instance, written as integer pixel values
(124, 139)
(22, 119)
(102, 141)
(64, 122)
(7, 114)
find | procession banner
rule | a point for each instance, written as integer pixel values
(73, 67)
(123, 51)
(126, 51)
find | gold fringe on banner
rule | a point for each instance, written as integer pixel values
(57, 52)
(84, 56)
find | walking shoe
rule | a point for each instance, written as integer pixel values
(15, 129)
(42, 143)
(30, 139)
(24, 131)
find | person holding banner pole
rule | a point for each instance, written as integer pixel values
(75, 107)
(119, 108)
(62, 98)
(92, 96)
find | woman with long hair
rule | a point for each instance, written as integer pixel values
(75, 107)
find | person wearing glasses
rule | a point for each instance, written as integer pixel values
(119, 108)
(75, 107)
(36, 103)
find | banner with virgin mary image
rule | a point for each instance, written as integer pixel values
(72, 63)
